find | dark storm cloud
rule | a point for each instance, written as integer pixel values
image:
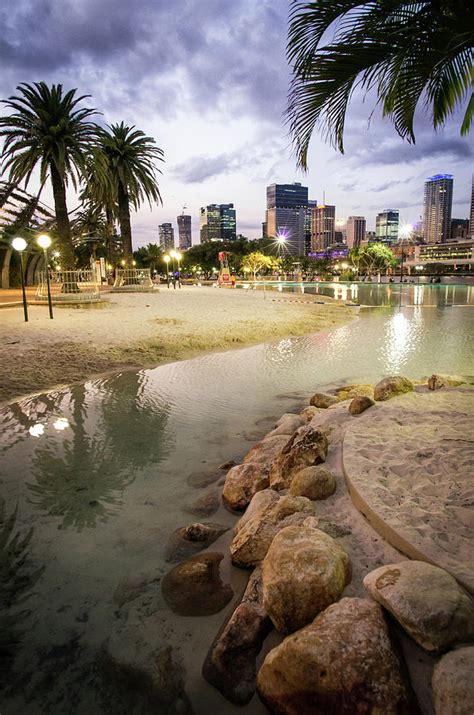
(199, 168)
(393, 150)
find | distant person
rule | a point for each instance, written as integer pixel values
(177, 279)
(232, 280)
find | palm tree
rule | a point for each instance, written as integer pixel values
(99, 194)
(128, 157)
(48, 129)
(408, 52)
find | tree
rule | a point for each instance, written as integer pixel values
(128, 158)
(257, 261)
(48, 129)
(149, 256)
(407, 52)
(375, 257)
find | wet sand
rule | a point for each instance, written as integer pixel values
(144, 330)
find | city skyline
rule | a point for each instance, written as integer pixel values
(214, 102)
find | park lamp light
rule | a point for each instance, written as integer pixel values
(44, 241)
(19, 244)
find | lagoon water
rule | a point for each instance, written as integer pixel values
(100, 474)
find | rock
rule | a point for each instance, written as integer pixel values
(304, 571)
(195, 588)
(426, 601)
(321, 399)
(360, 404)
(265, 451)
(334, 530)
(258, 502)
(287, 425)
(131, 587)
(155, 680)
(227, 465)
(206, 505)
(313, 482)
(307, 447)
(436, 382)
(391, 386)
(230, 663)
(309, 412)
(203, 479)
(242, 482)
(342, 663)
(251, 543)
(192, 538)
(453, 684)
(348, 392)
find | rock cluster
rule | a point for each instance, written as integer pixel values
(308, 446)
(453, 683)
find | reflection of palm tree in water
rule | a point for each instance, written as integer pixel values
(114, 431)
(17, 579)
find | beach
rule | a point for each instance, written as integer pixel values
(147, 329)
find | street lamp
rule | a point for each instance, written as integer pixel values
(44, 242)
(178, 258)
(167, 260)
(19, 244)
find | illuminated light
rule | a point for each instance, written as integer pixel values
(36, 430)
(405, 230)
(134, 263)
(173, 254)
(166, 259)
(61, 424)
(19, 244)
(281, 238)
(122, 261)
(56, 254)
(44, 240)
(344, 266)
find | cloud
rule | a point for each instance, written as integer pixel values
(199, 168)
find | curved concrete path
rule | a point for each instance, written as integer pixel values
(409, 466)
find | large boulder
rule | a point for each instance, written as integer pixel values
(230, 663)
(322, 400)
(453, 683)
(188, 540)
(252, 541)
(392, 386)
(348, 392)
(195, 588)
(426, 601)
(287, 424)
(342, 663)
(242, 482)
(360, 404)
(259, 501)
(307, 447)
(313, 483)
(265, 451)
(304, 571)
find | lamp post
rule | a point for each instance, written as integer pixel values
(178, 258)
(44, 242)
(19, 244)
(167, 260)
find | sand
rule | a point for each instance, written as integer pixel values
(143, 330)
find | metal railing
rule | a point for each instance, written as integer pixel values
(78, 286)
(133, 279)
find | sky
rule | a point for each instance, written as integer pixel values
(208, 80)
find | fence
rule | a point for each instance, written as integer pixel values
(69, 287)
(133, 280)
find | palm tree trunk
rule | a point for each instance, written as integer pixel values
(66, 248)
(112, 259)
(125, 228)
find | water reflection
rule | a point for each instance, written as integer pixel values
(109, 429)
(402, 333)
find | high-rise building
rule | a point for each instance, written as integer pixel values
(437, 207)
(355, 231)
(459, 229)
(286, 209)
(312, 203)
(184, 232)
(217, 223)
(386, 226)
(323, 219)
(166, 236)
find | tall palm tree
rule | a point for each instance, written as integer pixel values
(48, 129)
(129, 157)
(410, 53)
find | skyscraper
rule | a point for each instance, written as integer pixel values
(166, 236)
(386, 226)
(355, 231)
(184, 232)
(217, 222)
(285, 215)
(437, 207)
(323, 219)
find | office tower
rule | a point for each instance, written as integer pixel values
(285, 215)
(323, 221)
(355, 231)
(437, 207)
(166, 234)
(312, 203)
(471, 215)
(217, 223)
(184, 232)
(459, 229)
(386, 226)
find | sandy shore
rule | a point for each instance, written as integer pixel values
(143, 330)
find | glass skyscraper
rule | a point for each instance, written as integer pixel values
(166, 235)
(386, 226)
(217, 222)
(438, 202)
(323, 227)
(287, 205)
(184, 232)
